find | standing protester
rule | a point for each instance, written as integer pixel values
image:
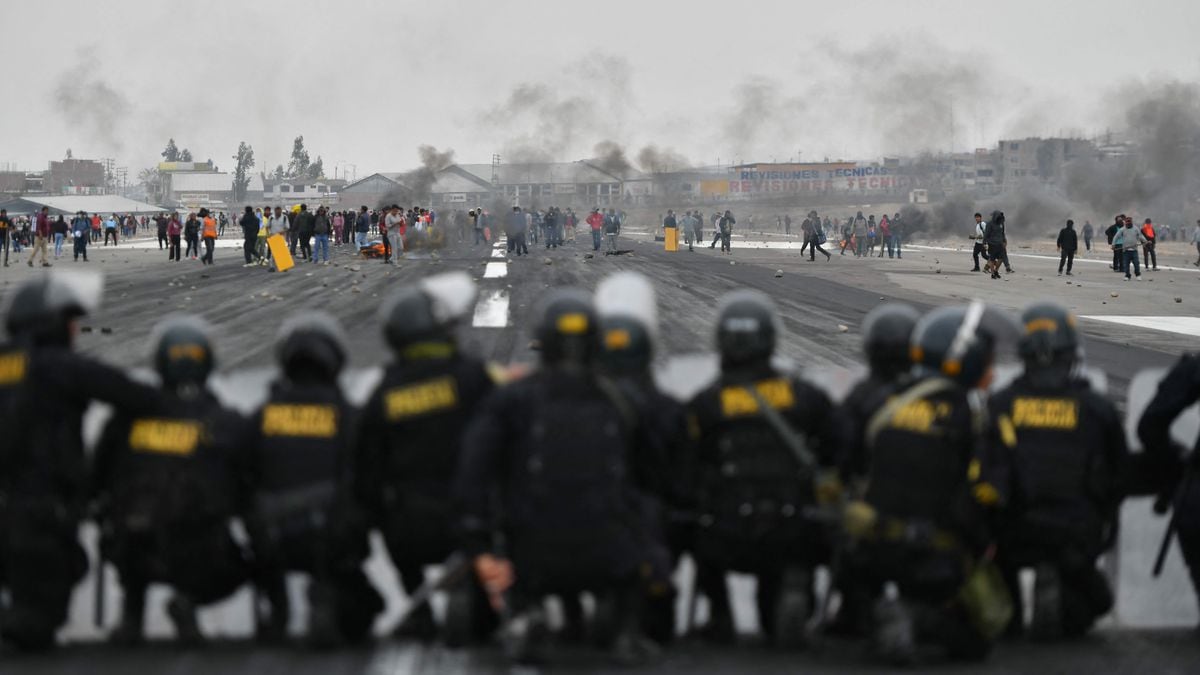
(339, 226)
(612, 229)
(596, 222)
(174, 231)
(1195, 242)
(862, 234)
(514, 231)
(872, 235)
(166, 488)
(304, 232)
(362, 225)
(1088, 232)
(1118, 261)
(1148, 248)
(209, 232)
(306, 515)
(1067, 244)
(688, 226)
(160, 228)
(60, 232)
(725, 230)
(897, 225)
(1057, 463)
(191, 236)
(6, 228)
(885, 236)
(410, 443)
(395, 224)
(551, 503)
(79, 233)
(41, 237)
(1128, 240)
(250, 225)
(321, 229)
(979, 249)
(44, 393)
(110, 229)
(997, 243)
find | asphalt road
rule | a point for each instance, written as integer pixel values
(821, 304)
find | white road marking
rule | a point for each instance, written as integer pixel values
(495, 270)
(492, 310)
(1184, 325)
(498, 253)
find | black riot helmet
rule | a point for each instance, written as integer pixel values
(419, 320)
(42, 309)
(183, 352)
(887, 333)
(628, 311)
(566, 332)
(953, 342)
(746, 328)
(311, 347)
(1049, 338)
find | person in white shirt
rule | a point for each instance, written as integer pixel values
(394, 222)
(980, 249)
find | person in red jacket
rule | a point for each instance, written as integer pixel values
(596, 221)
(41, 237)
(1149, 256)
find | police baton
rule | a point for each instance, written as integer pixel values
(1160, 505)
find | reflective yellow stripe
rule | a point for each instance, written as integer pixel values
(311, 421)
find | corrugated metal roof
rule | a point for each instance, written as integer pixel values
(74, 203)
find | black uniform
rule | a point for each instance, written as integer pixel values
(44, 392)
(1056, 463)
(411, 442)
(1179, 390)
(561, 453)
(305, 514)
(927, 528)
(166, 489)
(753, 491)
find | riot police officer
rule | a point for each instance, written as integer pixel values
(762, 438)
(625, 303)
(1056, 464)
(887, 332)
(166, 489)
(411, 440)
(305, 516)
(1171, 467)
(556, 448)
(44, 390)
(918, 524)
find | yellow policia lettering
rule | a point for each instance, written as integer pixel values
(421, 398)
(736, 401)
(309, 421)
(920, 416)
(1045, 413)
(12, 368)
(165, 437)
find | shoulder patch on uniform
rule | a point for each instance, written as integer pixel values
(1045, 413)
(165, 437)
(12, 368)
(299, 420)
(736, 401)
(420, 398)
(1008, 432)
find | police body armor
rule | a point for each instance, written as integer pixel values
(1065, 445)
(413, 428)
(752, 489)
(301, 467)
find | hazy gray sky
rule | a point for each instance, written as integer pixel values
(367, 82)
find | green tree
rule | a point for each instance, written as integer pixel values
(279, 173)
(316, 169)
(171, 154)
(298, 166)
(241, 174)
(185, 155)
